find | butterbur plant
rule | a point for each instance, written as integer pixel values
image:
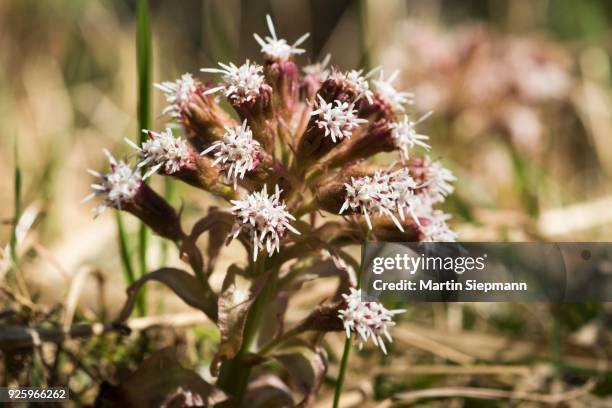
(292, 163)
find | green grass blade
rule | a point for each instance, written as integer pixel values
(143, 55)
(126, 262)
(143, 51)
(17, 204)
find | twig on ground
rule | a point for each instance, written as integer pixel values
(490, 393)
(12, 337)
(453, 370)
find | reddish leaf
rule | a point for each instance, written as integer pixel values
(273, 325)
(306, 367)
(159, 381)
(217, 222)
(217, 237)
(325, 264)
(268, 391)
(235, 300)
(186, 286)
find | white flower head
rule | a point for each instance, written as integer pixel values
(357, 81)
(237, 152)
(177, 93)
(369, 320)
(162, 151)
(394, 98)
(278, 48)
(403, 186)
(405, 136)
(264, 218)
(241, 83)
(118, 187)
(419, 206)
(338, 121)
(437, 181)
(318, 70)
(436, 228)
(386, 193)
(372, 195)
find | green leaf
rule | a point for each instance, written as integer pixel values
(184, 285)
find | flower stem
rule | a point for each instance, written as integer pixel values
(271, 345)
(554, 342)
(313, 176)
(306, 208)
(347, 342)
(342, 373)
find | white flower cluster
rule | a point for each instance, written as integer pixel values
(387, 193)
(402, 187)
(394, 98)
(435, 229)
(264, 218)
(117, 187)
(384, 193)
(405, 136)
(369, 320)
(319, 69)
(177, 93)
(338, 121)
(237, 151)
(162, 150)
(438, 181)
(357, 81)
(278, 48)
(241, 83)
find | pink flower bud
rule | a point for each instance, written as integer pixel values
(189, 103)
(314, 76)
(123, 188)
(283, 76)
(249, 94)
(330, 124)
(374, 139)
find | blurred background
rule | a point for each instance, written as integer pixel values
(521, 92)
